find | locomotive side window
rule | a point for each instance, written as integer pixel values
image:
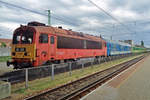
(94, 45)
(84, 44)
(43, 38)
(52, 39)
(105, 44)
(73, 43)
(69, 43)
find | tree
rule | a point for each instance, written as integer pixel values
(142, 43)
(3, 44)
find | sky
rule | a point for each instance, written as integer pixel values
(133, 17)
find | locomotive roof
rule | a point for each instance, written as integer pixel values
(64, 32)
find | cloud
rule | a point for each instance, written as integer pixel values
(80, 15)
(85, 8)
(125, 14)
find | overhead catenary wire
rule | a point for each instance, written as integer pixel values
(36, 12)
(107, 13)
(59, 18)
(39, 13)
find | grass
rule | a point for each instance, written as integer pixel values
(3, 66)
(38, 85)
(4, 58)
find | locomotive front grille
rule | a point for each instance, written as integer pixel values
(19, 54)
(23, 51)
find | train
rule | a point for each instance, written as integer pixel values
(117, 48)
(37, 44)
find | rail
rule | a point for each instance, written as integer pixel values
(79, 88)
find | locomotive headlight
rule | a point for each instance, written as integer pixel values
(13, 53)
(20, 49)
(25, 53)
(17, 49)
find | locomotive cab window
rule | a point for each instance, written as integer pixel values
(16, 39)
(23, 37)
(43, 38)
(52, 39)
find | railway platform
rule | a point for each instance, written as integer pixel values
(131, 84)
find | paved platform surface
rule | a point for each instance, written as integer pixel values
(132, 84)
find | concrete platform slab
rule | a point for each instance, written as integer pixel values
(132, 84)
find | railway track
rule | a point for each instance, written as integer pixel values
(77, 89)
(44, 71)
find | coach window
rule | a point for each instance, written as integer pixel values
(43, 38)
(52, 39)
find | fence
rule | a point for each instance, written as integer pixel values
(5, 51)
(29, 74)
(52, 70)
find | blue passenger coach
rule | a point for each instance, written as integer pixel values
(117, 48)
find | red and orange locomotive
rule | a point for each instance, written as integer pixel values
(37, 44)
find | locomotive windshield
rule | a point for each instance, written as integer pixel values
(23, 37)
